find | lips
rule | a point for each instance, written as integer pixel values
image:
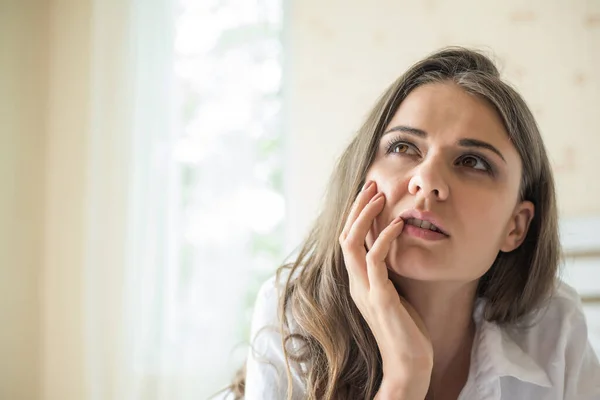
(424, 220)
(423, 224)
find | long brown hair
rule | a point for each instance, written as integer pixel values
(340, 352)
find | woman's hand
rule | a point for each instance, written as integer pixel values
(401, 336)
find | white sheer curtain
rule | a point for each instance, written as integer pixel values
(128, 191)
(184, 207)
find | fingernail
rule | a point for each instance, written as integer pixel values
(367, 185)
(397, 220)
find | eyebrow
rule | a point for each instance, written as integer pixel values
(462, 142)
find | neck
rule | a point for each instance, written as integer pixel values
(446, 309)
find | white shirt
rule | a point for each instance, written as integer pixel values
(551, 360)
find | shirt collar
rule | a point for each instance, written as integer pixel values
(501, 354)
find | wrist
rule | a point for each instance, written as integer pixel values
(392, 390)
(401, 389)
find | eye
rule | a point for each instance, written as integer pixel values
(402, 148)
(475, 162)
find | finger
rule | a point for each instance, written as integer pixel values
(362, 224)
(361, 201)
(370, 239)
(376, 268)
(372, 235)
(354, 245)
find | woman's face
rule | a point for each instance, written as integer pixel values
(446, 158)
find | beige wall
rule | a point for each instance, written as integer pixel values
(342, 54)
(23, 61)
(63, 373)
(44, 82)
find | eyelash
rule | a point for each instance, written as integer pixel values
(398, 141)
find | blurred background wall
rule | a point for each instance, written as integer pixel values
(342, 54)
(338, 57)
(23, 84)
(44, 75)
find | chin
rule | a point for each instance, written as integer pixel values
(418, 273)
(419, 264)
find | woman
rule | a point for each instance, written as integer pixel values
(431, 271)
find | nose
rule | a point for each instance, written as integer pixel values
(428, 182)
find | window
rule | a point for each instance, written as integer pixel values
(229, 208)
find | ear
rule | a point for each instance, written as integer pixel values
(518, 226)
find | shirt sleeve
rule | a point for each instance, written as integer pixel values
(582, 369)
(266, 376)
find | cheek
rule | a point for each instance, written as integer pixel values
(394, 186)
(392, 183)
(485, 216)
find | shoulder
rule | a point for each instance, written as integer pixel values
(547, 356)
(556, 339)
(565, 303)
(560, 320)
(266, 375)
(266, 306)
(558, 326)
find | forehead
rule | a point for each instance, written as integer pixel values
(446, 111)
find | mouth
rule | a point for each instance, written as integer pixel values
(425, 220)
(419, 223)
